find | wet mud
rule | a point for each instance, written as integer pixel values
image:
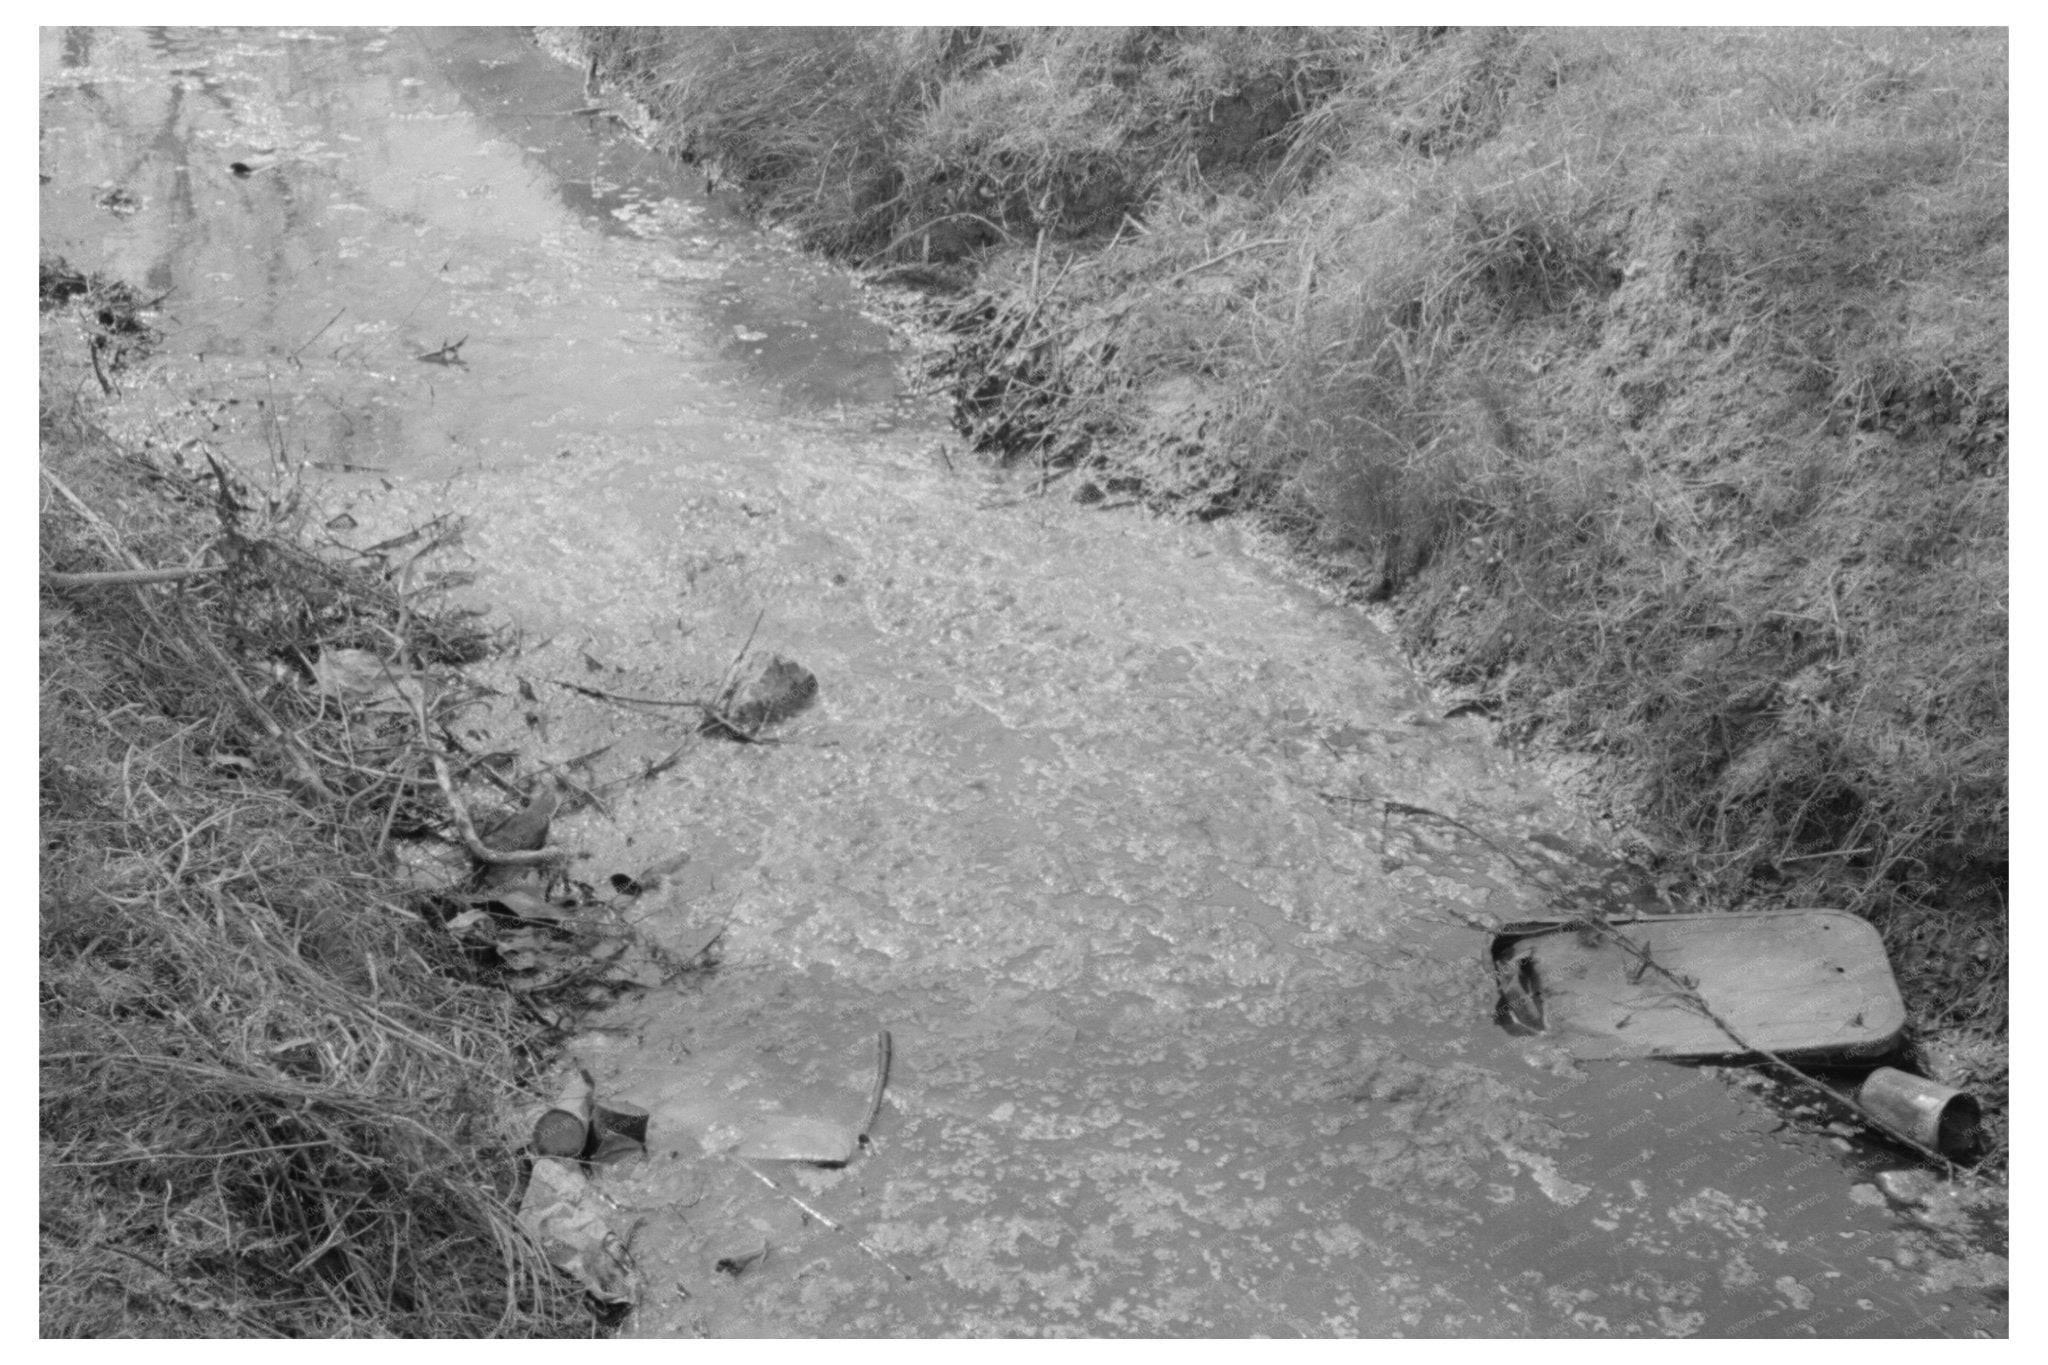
(1189, 1035)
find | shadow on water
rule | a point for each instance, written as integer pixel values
(795, 327)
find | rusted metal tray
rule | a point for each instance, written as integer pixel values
(1809, 985)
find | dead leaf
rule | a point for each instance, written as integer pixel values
(356, 677)
(526, 905)
(740, 1261)
(654, 873)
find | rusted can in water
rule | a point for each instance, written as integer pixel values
(1932, 1114)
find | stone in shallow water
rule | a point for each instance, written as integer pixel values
(774, 691)
(1908, 1186)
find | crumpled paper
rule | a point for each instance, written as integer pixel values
(567, 1218)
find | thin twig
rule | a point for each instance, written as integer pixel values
(717, 717)
(1831, 853)
(106, 386)
(732, 670)
(317, 335)
(840, 1228)
(601, 695)
(900, 238)
(94, 580)
(478, 849)
(1224, 256)
(1404, 808)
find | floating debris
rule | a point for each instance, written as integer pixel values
(648, 878)
(1803, 984)
(448, 353)
(565, 1129)
(799, 1137)
(818, 1141)
(260, 160)
(741, 1259)
(565, 1216)
(1520, 1007)
(621, 1131)
(1932, 1114)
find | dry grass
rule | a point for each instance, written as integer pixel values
(932, 145)
(268, 1081)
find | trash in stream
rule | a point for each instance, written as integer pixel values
(567, 1218)
(1796, 986)
(578, 1126)
(1809, 985)
(810, 1138)
(560, 1208)
(565, 1129)
(621, 1133)
(1936, 1116)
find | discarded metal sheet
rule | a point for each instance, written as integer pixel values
(1811, 985)
(808, 1137)
(799, 1137)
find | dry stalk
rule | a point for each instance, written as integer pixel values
(116, 576)
(837, 1227)
(477, 848)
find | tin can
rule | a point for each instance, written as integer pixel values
(1932, 1114)
(621, 1131)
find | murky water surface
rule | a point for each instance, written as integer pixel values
(1186, 1041)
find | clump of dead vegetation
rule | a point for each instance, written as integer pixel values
(272, 1067)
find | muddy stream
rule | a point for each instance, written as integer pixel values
(1186, 1039)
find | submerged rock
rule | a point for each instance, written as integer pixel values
(774, 691)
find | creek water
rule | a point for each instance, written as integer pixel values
(1189, 1035)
